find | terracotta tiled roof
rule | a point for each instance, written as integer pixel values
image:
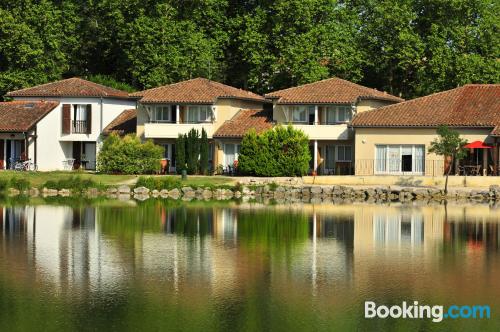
(243, 121)
(71, 87)
(123, 124)
(195, 91)
(467, 106)
(20, 116)
(329, 91)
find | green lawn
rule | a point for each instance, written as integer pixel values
(39, 178)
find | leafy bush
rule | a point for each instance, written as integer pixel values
(4, 184)
(158, 183)
(128, 155)
(281, 151)
(19, 183)
(76, 184)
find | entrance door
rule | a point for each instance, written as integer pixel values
(77, 154)
(230, 154)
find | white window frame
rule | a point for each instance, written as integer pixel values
(79, 112)
(161, 109)
(301, 110)
(237, 149)
(335, 111)
(197, 110)
(399, 170)
(343, 147)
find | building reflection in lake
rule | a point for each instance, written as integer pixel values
(221, 249)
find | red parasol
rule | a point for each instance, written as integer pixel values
(477, 145)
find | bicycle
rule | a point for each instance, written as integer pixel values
(26, 166)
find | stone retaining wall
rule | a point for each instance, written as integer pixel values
(286, 193)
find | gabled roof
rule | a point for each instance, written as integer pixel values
(473, 105)
(194, 91)
(20, 116)
(243, 121)
(71, 87)
(123, 124)
(329, 91)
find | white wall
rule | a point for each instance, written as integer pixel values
(53, 147)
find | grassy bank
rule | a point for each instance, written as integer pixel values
(38, 179)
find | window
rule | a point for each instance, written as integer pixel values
(400, 159)
(330, 157)
(344, 153)
(298, 113)
(161, 113)
(80, 112)
(231, 153)
(169, 153)
(336, 114)
(201, 113)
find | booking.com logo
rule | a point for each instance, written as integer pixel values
(416, 311)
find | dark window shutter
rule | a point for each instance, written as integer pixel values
(89, 119)
(66, 118)
(173, 114)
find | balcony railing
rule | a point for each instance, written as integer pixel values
(172, 130)
(325, 131)
(79, 127)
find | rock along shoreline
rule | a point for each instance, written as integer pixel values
(280, 193)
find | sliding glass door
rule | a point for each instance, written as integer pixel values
(400, 159)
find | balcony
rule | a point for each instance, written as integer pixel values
(325, 131)
(172, 130)
(79, 127)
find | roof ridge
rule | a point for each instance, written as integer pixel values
(166, 85)
(409, 101)
(304, 85)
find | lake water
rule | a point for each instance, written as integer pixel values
(161, 265)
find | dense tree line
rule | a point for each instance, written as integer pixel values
(407, 47)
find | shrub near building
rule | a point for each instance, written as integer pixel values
(281, 151)
(128, 155)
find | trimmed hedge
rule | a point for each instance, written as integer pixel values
(158, 183)
(128, 155)
(281, 151)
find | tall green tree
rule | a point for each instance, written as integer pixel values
(180, 153)
(34, 41)
(160, 49)
(204, 152)
(450, 145)
(192, 151)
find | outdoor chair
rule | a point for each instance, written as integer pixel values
(476, 170)
(68, 164)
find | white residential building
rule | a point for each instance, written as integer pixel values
(67, 130)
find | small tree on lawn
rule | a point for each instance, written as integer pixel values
(180, 153)
(203, 152)
(448, 144)
(192, 151)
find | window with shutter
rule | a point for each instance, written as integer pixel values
(89, 119)
(66, 118)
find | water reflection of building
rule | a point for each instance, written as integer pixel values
(225, 249)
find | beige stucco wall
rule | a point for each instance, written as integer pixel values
(225, 110)
(367, 138)
(370, 104)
